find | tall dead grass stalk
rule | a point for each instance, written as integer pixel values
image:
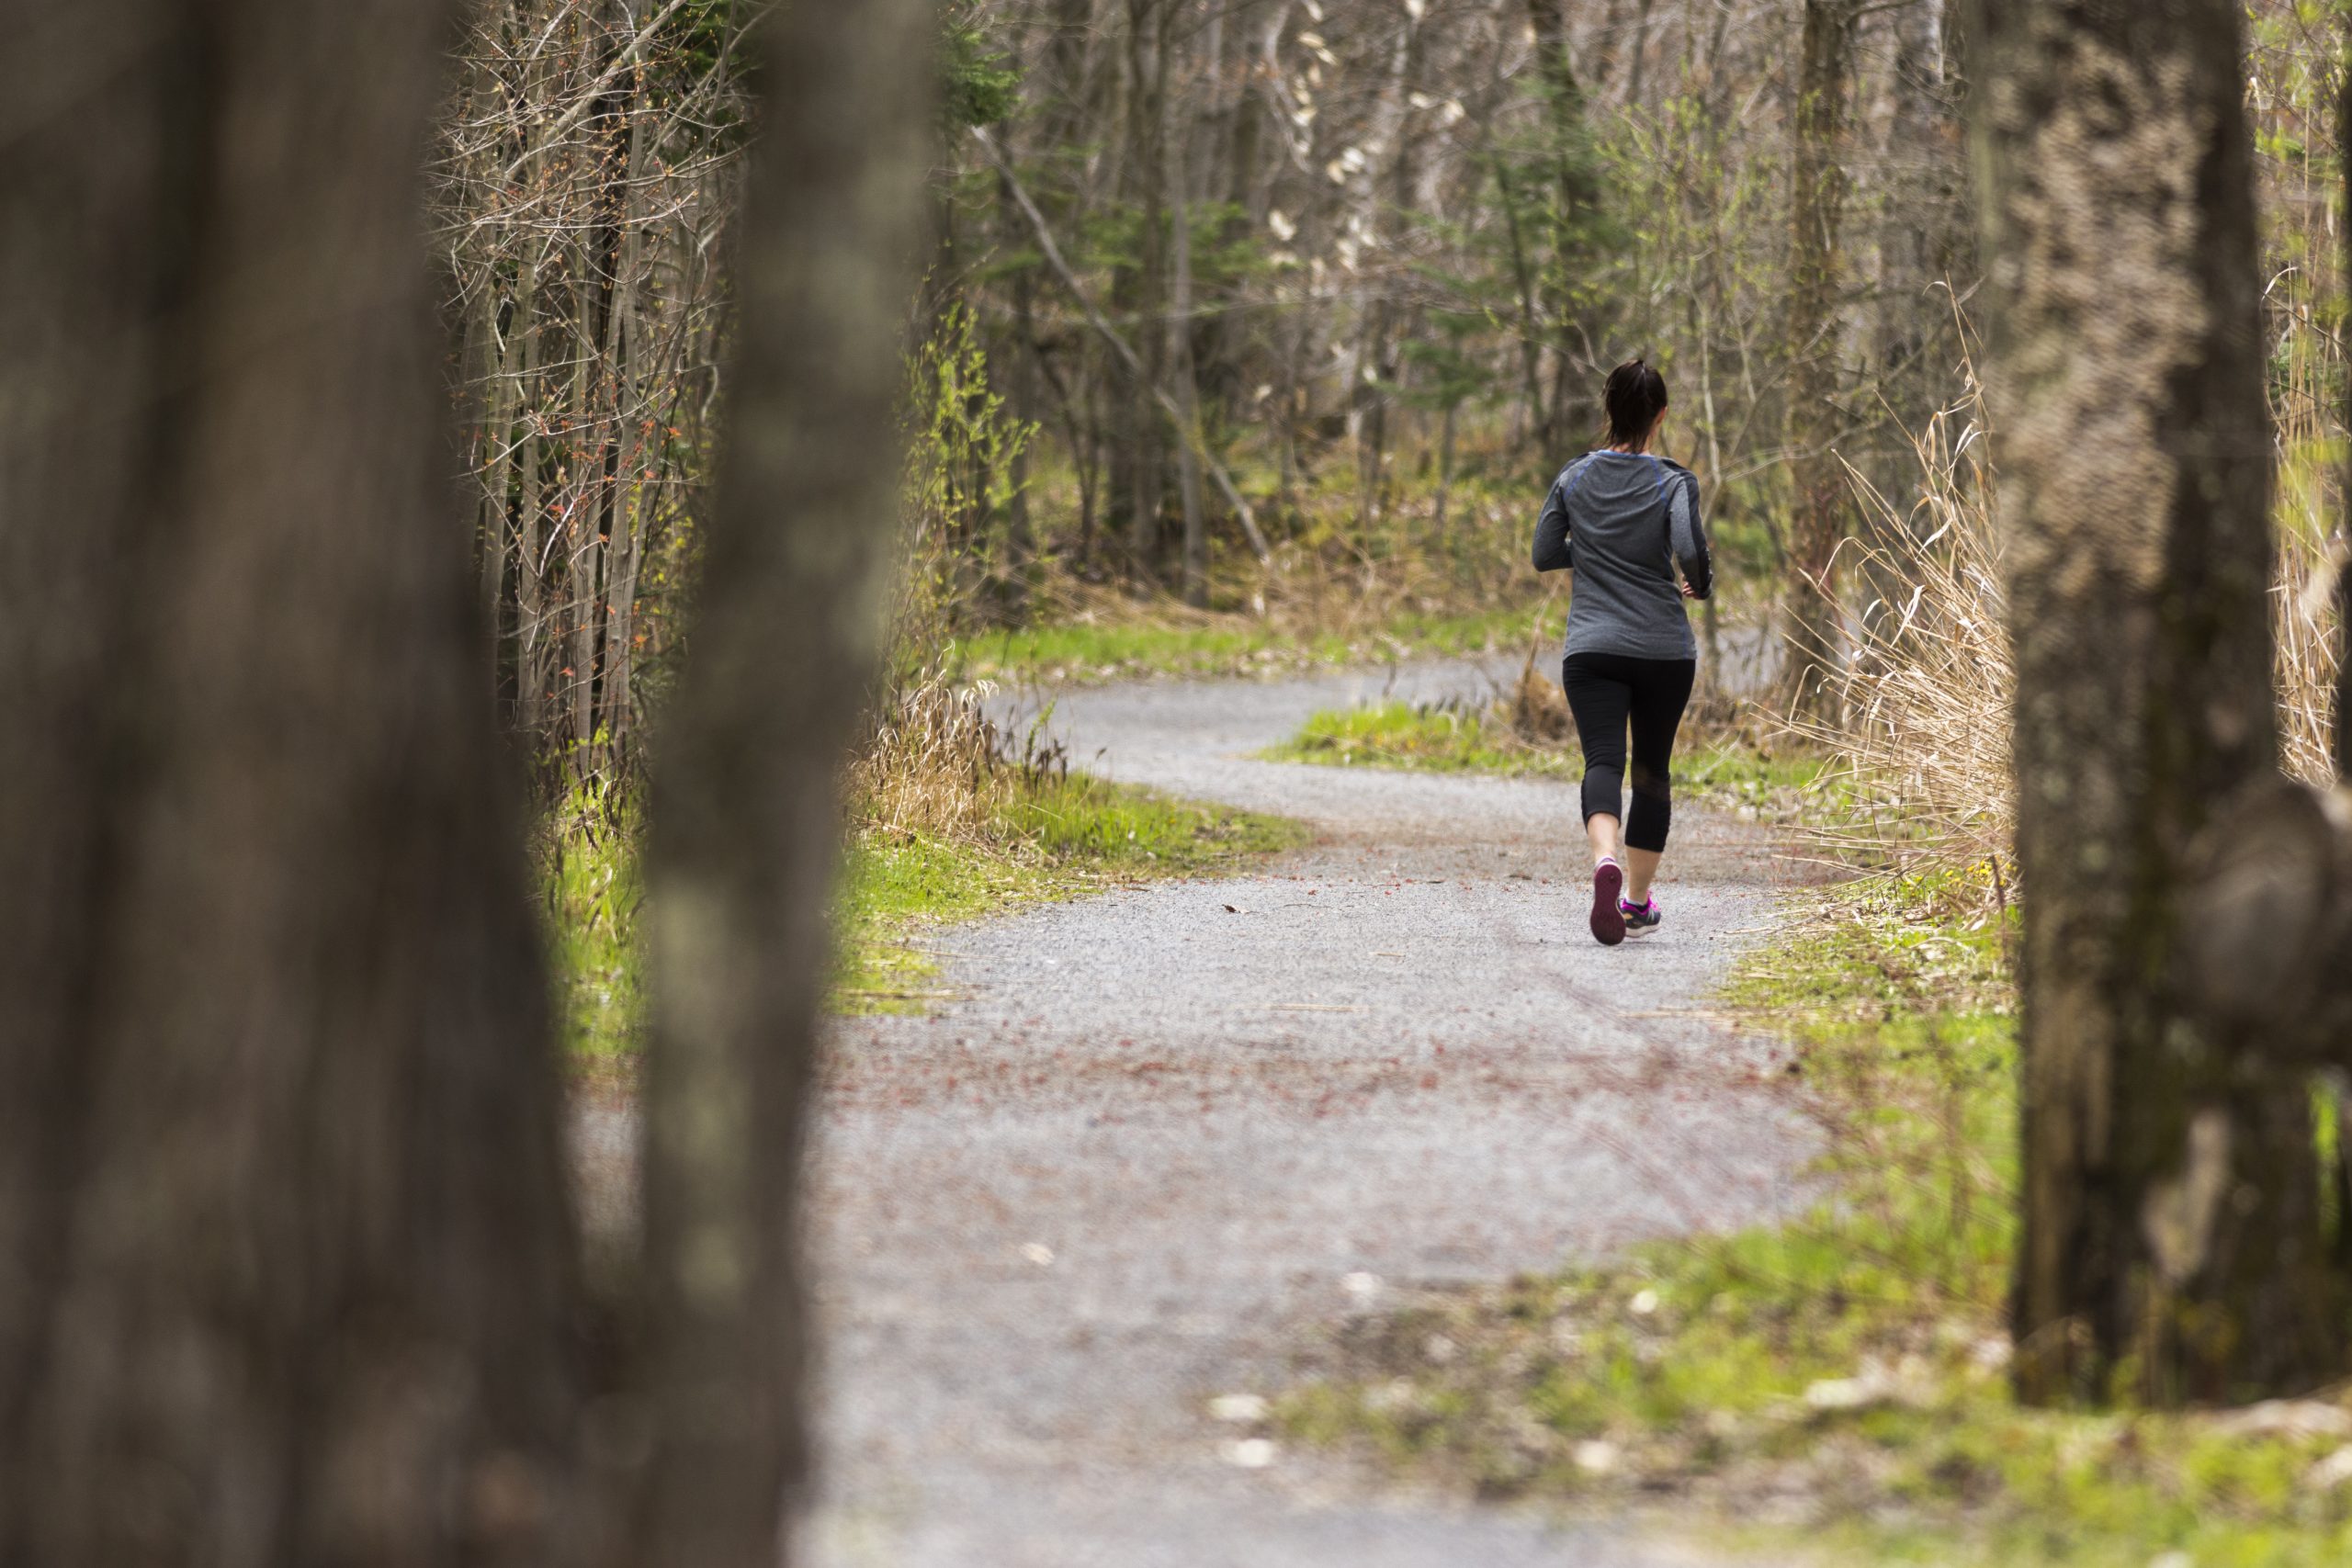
(1922, 773)
(1922, 777)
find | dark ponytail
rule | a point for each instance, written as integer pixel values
(1634, 397)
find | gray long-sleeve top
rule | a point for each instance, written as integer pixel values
(1624, 521)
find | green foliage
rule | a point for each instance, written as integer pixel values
(979, 86)
(590, 891)
(964, 451)
(1450, 370)
(708, 39)
(1226, 250)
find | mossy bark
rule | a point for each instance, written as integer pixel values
(2172, 1240)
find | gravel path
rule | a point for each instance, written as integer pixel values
(1166, 1130)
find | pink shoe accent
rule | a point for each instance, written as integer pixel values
(1608, 920)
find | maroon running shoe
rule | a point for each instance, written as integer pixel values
(1608, 918)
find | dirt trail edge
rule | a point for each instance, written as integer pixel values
(1164, 1132)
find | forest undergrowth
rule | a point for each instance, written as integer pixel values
(948, 815)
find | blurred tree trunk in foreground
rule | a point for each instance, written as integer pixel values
(2172, 1232)
(288, 1266)
(746, 823)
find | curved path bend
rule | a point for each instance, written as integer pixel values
(1161, 1132)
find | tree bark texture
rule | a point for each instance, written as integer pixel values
(289, 1272)
(2171, 1232)
(1185, 374)
(1819, 506)
(1139, 288)
(746, 823)
(1570, 414)
(285, 1255)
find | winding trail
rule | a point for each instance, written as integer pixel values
(1163, 1133)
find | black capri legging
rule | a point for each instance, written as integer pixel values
(1607, 690)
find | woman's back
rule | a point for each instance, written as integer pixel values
(1623, 520)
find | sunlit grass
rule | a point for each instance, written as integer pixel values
(1052, 838)
(1440, 738)
(1045, 836)
(1161, 644)
(1720, 771)
(591, 895)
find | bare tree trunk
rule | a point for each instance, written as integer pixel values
(1020, 531)
(1531, 341)
(1641, 45)
(496, 462)
(1444, 472)
(746, 826)
(1569, 416)
(1139, 454)
(530, 597)
(2171, 1225)
(1375, 384)
(582, 494)
(481, 359)
(1818, 505)
(1188, 391)
(289, 1269)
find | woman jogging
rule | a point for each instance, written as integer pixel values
(1624, 518)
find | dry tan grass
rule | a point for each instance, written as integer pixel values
(1922, 747)
(933, 763)
(2305, 621)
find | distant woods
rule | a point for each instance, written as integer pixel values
(1256, 272)
(586, 177)
(1225, 282)
(1380, 249)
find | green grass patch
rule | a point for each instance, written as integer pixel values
(1075, 652)
(1440, 738)
(590, 894)
(1723, 771)
(1841, 1376)
(1050, 836)
(1054, 838)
